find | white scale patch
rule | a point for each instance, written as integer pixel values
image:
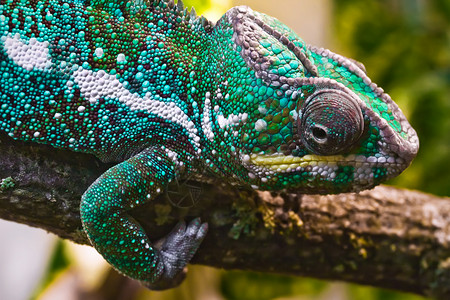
(94, 85)
(260, 125)
(232, 120)
(174, 157)
(28, 55)
(206, 121)
(121, 58)
(99, 52)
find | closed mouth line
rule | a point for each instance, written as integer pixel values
(285, 161)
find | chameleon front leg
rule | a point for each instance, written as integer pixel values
(120, 239)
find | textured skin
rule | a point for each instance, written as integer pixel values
(168, 95)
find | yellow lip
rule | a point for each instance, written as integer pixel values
(283, 162)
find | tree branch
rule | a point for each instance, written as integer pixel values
(385, 237)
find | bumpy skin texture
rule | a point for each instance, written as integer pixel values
(168, 94)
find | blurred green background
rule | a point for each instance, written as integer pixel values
(405, 46)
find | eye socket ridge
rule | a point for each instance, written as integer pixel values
(331, 122)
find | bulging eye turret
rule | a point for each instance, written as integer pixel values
(331, 121)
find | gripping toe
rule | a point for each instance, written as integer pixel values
(176, 251)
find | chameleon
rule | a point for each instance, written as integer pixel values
(165, 94)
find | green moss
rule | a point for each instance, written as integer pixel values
(7, 183)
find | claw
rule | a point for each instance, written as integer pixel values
(194, 225)
(201, 233)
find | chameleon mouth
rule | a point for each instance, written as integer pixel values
(286, 163)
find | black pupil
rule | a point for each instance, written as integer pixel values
(319, 133)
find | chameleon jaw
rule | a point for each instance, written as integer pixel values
(332, 174)
(284, 161)
(287, 163)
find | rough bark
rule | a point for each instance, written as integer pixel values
(385, 237)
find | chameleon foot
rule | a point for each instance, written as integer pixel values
(176, 251)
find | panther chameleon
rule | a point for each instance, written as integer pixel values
(166, 94)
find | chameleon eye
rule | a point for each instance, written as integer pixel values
(331, 122)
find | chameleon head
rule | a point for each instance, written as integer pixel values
(333, 141)
(320, 125)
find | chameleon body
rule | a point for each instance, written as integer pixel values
(167, 94)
